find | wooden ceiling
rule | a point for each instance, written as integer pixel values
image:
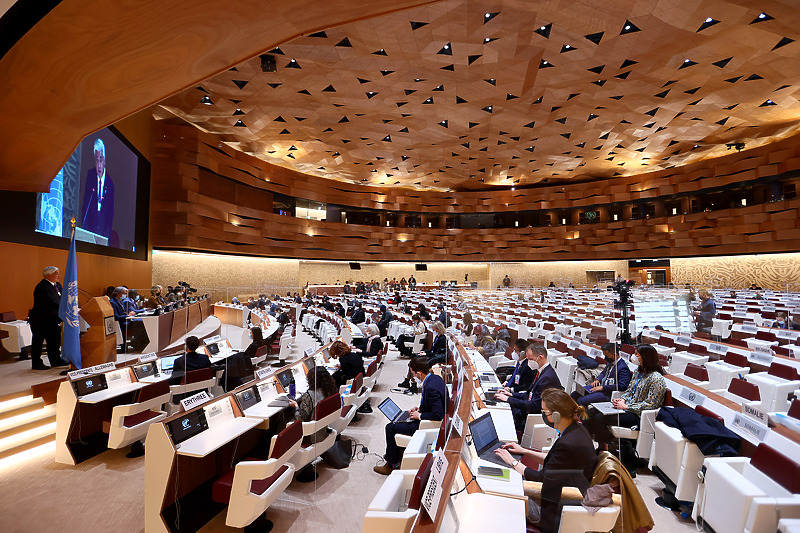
(89, 63)
(468, 94)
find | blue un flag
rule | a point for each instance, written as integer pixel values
(68, 310)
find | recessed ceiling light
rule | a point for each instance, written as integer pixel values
(627, 27)
(206, 100)
(486, 40)
(709, 19)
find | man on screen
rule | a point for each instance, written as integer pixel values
(98, 195)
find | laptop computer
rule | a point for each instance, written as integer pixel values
(489, 378)
(391, 411)
(168, 362)
(484, 436)
(145, 370)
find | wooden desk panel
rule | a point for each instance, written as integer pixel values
(179, 321)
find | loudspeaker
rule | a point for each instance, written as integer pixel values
(268, 63)
(421, 267)
(355, 266)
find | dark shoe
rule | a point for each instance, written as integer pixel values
(366, 408)
(24, 356)
(413, 387)
(406, 383)
(59, 362)
(39, 366)
(384, 470)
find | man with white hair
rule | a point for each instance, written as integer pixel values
(98, 195)
(44, 320)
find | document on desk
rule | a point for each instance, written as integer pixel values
(607, 408)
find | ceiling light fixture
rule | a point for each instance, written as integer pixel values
(206, 100)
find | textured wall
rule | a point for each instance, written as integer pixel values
(225, 276)
(773, 271)
(562, 273)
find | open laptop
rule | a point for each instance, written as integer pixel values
(484, 436)
(489, 378)
(391, 411)
(145, 370)
(168, 362)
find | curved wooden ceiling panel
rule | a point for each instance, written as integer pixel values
(467, 94)
(90, 63)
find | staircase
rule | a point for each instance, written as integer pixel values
(25, 423)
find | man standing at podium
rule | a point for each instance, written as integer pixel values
(98, 195)
(44, 320)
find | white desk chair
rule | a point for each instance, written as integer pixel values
(396, 505)
(565, 369)
(576, 518)
(776, 386)
(253, 485)
(346, 416)
(531, 421)
(422, 443)
(327, 412)
(676, 461)
(129, 423)
(646, 434)
(748, 494)
(789, 525)
(722, 328)
(192, 382)
(403, 440)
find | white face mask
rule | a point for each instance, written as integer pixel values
(533, 364)
(514, 356)
(634, 360)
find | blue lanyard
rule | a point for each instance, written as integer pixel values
(636, 385)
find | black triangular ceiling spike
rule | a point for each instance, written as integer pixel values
(329, 89)
(662, 94)
(240, 83)
(451, 68)
(652, 112)
(722, 62)
(293, 64)
(417, 25)
(345, 43)
(446, 50)
(386, 72)
(692, 91)
(733, 80)
(471, 59)
(595, 37)
(276, 50)
(597, 70)
(544, 30)
(362, 81)
(279, 119)
(319, 34)
(627, 63)
(629, 27)
(762, 17)
(510, 96)
(438, 88)
(304, 91)
(753, 77)
(380, 52)
(491, 81)
(707, 23)
(489, 16)
(687, 63)
(529, 124)
(545, 64)
(460, 100)
(567, 48)
(404, 130)
(783, 42)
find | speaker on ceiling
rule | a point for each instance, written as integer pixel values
(421, 267)
(355, 266)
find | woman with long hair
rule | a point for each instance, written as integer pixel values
(320, 386)
(572, 451)
(645, 391)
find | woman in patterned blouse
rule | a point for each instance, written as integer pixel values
(646, 391)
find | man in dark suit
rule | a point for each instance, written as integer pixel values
(132, 328)
(192, 360)
(432, 407)
(44, 320)
(616, 376)
(530, 401)
(522, 377)
(358, 315)
(443, 317)
(98, 195)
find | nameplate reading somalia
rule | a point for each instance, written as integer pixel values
(750, 426)
(195, 400)
(755, 412)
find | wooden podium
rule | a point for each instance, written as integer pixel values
(99, 343)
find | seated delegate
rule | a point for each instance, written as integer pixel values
(191, 360)
(404, 340)
(646, 391)
(351, 363)
(615, 376)
(320, 386)
(432, 406)
(530, 401)
(573, 450)
(437, 353)
(521, 378)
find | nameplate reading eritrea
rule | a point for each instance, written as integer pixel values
(195, 400)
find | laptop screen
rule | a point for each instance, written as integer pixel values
(247, 398)
(310, 362)
(90, 384)
(389, 408)
(483, 433)
(168, 362)
(145, 370)
(213, 349)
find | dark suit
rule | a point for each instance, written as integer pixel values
(522, 377)
(98, 222)
(613, 377)
(438, 350)
(45, 323)
(350, 365)
(530, 401)
(132, 329)
(190, 361)
(572, 451)
(432, 406)
(358, 316)
(383, 323)
(444, 319)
